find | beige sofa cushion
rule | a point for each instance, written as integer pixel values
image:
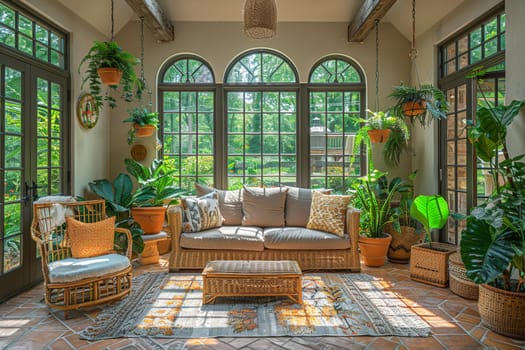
(298, 238)
(263, 207)
(297, 208)
(230, 204)
(328, 212)
(226, 238)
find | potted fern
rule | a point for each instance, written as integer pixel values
(110, 65)
(143, 123)
(424, 103)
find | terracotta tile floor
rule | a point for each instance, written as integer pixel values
(26, 323)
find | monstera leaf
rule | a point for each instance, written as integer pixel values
(485, 252)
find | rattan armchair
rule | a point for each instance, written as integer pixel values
(72, 283)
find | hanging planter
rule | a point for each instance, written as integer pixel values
(379, 135)
(144, 131)
(144, 123)
(414, 108)
(110, 76)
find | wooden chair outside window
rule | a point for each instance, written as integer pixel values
(72, 283)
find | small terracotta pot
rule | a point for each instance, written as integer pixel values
(144, 131)
(379, 135)
(373, 250)
(109, 76)
(150, 219)
(414, 108)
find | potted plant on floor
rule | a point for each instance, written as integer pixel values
(493, 243)
(429, 260)
(373, 196)
(143, 122)
(156, 189)
(108, 64)
(424, 103)
(403, 230)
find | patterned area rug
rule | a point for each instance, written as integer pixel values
(170, 306)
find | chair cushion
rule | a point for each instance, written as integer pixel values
(299, 238)
(71, 269)
(230, 203)
(91, 239)
(327, 213)
(297, 208)
(263, 207)
(225, 237)
(201, 213)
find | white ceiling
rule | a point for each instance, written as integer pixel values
(428, 12)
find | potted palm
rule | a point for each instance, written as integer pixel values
(156, 188)
(429, 260)
(493, 243)
(108, 64)
(143, 122)
(373, 196)
(424, 103)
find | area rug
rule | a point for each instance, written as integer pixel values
(170, 306)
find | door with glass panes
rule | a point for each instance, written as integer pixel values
(33, 124)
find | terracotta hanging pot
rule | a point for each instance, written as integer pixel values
(110, 76)
(373, 250)
(414, 108)
(144, 131)
(379, 135)
(150, 219)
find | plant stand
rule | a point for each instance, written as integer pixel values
(150, 254)
(430, 266)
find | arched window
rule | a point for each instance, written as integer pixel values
(187, 115)
(336, 93)
(261, 103)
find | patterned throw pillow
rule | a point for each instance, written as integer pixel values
(201, 213)
(91, 239)
(328, 212)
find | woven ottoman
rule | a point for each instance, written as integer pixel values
(224, 278)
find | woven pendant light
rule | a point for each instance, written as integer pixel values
(260, 18)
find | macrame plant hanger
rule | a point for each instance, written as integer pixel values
(377, 64)
(112, 21)
(142, 75)
(413, 51)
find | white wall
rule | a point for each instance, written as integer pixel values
(90, 147)
(425, 141)
(303, 43)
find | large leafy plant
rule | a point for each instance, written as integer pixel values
(373, 195)
(156, 184)
(108, 54)
(119, 197)
(430, 211)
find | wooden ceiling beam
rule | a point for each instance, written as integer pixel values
(364, 20)
(154, 18)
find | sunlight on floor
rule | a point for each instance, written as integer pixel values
(10, 327)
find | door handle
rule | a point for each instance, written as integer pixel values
(31, 191)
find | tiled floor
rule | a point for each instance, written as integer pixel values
(26, 323)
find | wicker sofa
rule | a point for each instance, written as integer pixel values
(234, 240)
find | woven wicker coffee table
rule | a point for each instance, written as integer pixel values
(252, 278)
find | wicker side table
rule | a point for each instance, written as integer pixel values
(252, 278)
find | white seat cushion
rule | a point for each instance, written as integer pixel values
(71, 269)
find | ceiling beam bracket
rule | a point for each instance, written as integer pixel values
(154, 18)
(364, 20)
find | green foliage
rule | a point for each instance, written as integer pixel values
(436, 102)
(373, 195)
(119, 197)
(402, 211)
(140, 116)
(156, 184)
(431, 211)
(110, 55)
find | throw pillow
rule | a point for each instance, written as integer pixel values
(230, 203)
(201, 213)
(91, 239)
(263, 207)
(298, 203)
(328, 212)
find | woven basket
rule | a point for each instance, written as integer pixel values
(460, 284)
(502, 311)
(402, 242)
(430, 266)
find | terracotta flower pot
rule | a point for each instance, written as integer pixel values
(144, 131)
(414, 108)
(502, 311)
(150, 219)
(402, 242)
(373, 250)
(110, 76)
(378, 135)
